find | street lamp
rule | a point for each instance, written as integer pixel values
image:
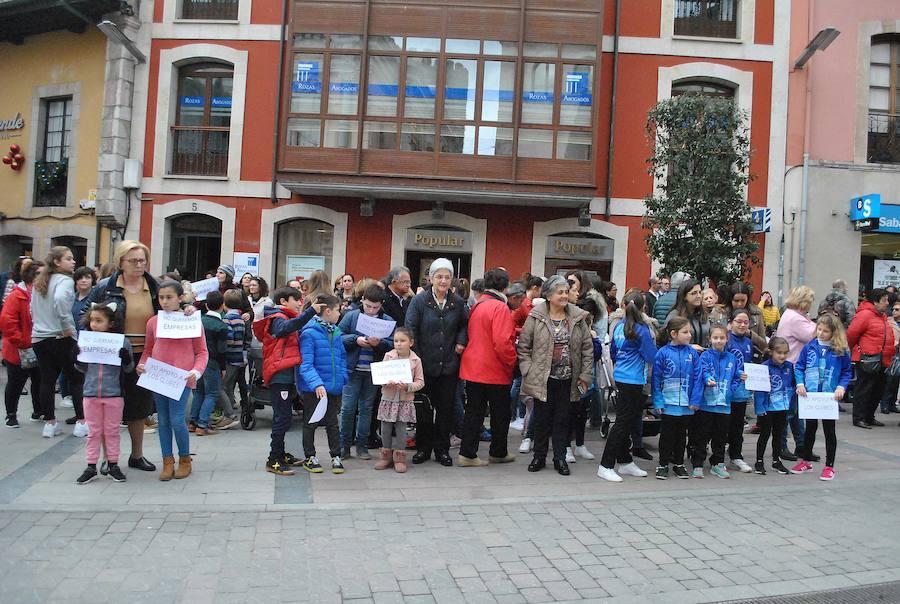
(825, 37)
(114, 34)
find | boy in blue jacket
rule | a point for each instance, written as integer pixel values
(322, 374)
(677, 392)
(772, 407)
(722, 373)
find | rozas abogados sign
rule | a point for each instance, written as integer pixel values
(12, 127)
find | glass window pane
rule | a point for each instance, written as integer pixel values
(191, 103)
(421, 86)
(458, 139)
(881, 53)
(386, 43)
(302, 238)
(56, 108)
(345, 41)
(537, 93)
(507, 49)
(302, 132)
(220, 103)
(573, 145)
(577, 95)
(306, 84)
(423, 44)
(499, 91)
(379, 135)
(417, 137)
(534, 49)
(309, 40)
(459, 89)
(579, 51)
(341, 134)
(880, 75)
(384, 82)
(536, 143)
(468, 47)
(343, 85)
(495, 141)
(879, 99)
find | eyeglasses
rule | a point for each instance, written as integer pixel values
(741, 322)
(404, 282)
(136, 261)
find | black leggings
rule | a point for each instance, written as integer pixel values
(828, 427)
(55, 356)
(15, 381)
(773, 424)
(578, 419)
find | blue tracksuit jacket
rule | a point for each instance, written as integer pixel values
(632, 356)
(783, 386)
(820, 369)
(677, 380)
(324, 359)
(742, 349)
(725, 370)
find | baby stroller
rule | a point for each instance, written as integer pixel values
(258, 396)
(650, 422)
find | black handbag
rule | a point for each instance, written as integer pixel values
(871, 363)
(894, 369)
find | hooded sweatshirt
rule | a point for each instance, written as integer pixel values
(52, 314)
(677, 380)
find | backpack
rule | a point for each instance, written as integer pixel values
(831, 304)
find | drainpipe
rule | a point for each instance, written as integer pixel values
(612, 111)
(273, 195)
(804, 192)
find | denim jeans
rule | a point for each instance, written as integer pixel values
(170, 414)
(208, 391)
(357, 402)
(517, 407)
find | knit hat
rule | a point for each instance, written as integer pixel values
(438, 265)
(227, 269)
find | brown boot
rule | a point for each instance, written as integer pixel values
(385, 461)
(168, 470)
(184, 466)
(400, 461)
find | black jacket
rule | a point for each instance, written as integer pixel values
(394, 307)
(436, 332)
(106, 289)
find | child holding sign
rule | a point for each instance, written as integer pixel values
(189, 354)
(103, 402)
(397, 407)
(823, 366)
(772, 407)
(740, 345)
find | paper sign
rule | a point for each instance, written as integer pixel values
(177, 325)
(319, 413)
(391, 371)
(163, 379)
(757, 377)
(245, 263)
(375, 327)
(201, 288)
(818, 405)
(100, 347)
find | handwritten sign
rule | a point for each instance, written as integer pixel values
(100, 347)
(818, 405)
(177, 325)
(201, 288)
(757, 377)
(375, 327)
(391, 371)
(164, 379)
(319, 412)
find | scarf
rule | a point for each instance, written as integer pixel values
(328, 327)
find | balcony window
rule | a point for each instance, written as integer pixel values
(220, 10)
(884, 101)
(200, 136)
(52, 168)
(706, 18)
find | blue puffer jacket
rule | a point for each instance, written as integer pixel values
(436, 332)
(783, 385)
(742, 349)
(324, 360)
(349, 335)
(819, 369)
(725, 370)
(677, 380)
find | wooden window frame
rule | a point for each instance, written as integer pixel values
(193, 70)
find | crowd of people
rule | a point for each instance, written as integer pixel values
(539, 356)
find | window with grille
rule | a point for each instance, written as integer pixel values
(200, 136)
(884, 100)
(52, 165)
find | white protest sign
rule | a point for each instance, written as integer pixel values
(818, 405)
(757, 377)
(245, 263)
(319, 413)
(374, 327)
(100, 347)
(392, 371)
(177, 325)
(201, 288)
(163, 379)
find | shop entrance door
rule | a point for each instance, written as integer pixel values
(418, 263)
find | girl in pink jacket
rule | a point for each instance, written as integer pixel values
(397, 407)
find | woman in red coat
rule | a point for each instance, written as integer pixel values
(870, 336)
(15, 324)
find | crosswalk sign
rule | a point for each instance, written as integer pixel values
(762, 219)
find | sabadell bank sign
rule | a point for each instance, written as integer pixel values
(12, 127)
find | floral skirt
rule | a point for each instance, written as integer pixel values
(397, 411)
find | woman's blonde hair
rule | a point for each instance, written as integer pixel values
(838, 335)
(318, 283)
(42, 283)
(800, 297)
(125, 247)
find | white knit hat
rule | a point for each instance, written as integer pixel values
(438, 265)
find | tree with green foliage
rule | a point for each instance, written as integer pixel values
(698, 217)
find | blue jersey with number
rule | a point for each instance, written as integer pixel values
(820, 369)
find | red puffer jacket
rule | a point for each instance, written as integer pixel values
(490, 356)
(869, 333)
(278, 353)
(15, 323)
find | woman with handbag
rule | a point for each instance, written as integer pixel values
(868, 338)
(892, 379)
(18, 357)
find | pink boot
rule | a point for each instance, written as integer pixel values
(384, 462)
(400, 461)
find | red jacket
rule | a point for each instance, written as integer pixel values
(520, 314)
(278, 353)
(490, 355)
(15, 323)
(869, 333)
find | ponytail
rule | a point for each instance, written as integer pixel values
(634, 308)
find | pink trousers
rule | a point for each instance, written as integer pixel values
(103, 416)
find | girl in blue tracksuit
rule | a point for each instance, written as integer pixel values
(322, 374)
(741, 346)
(722, 374)
(823, 366)
(772, 406)
(677, 391)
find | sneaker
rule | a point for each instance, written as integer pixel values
(37, 417)
(336, 466)
(801, 467)
(570, 455)
(455, 442)
(697, 473)
(631, 469)
(66, 402)
(207, 431)
(224, 424)
(741, 466)
(89, 475)
(116, 473)
(827, 473)
(779, 467)
(363, 453)
(662, 472)
(150, 425)
(720, 471)
(51, 430)
(192, 426)
(312, 465)
(525, 447)
(80, 430)
(485, 436)
(759, 467)
(788, 456)
(11, 421)
(583, 452)
(517, 424)
(608, 474)
(276, 467)
(680, 471)
(290, 460)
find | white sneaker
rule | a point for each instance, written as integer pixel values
(741, 466)
(525, 447)
(67, 402)
(51, 430)
(632, 469)
(517, 424)
(80, 430)
(570, 457)
(583, 452)
(608, 474)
